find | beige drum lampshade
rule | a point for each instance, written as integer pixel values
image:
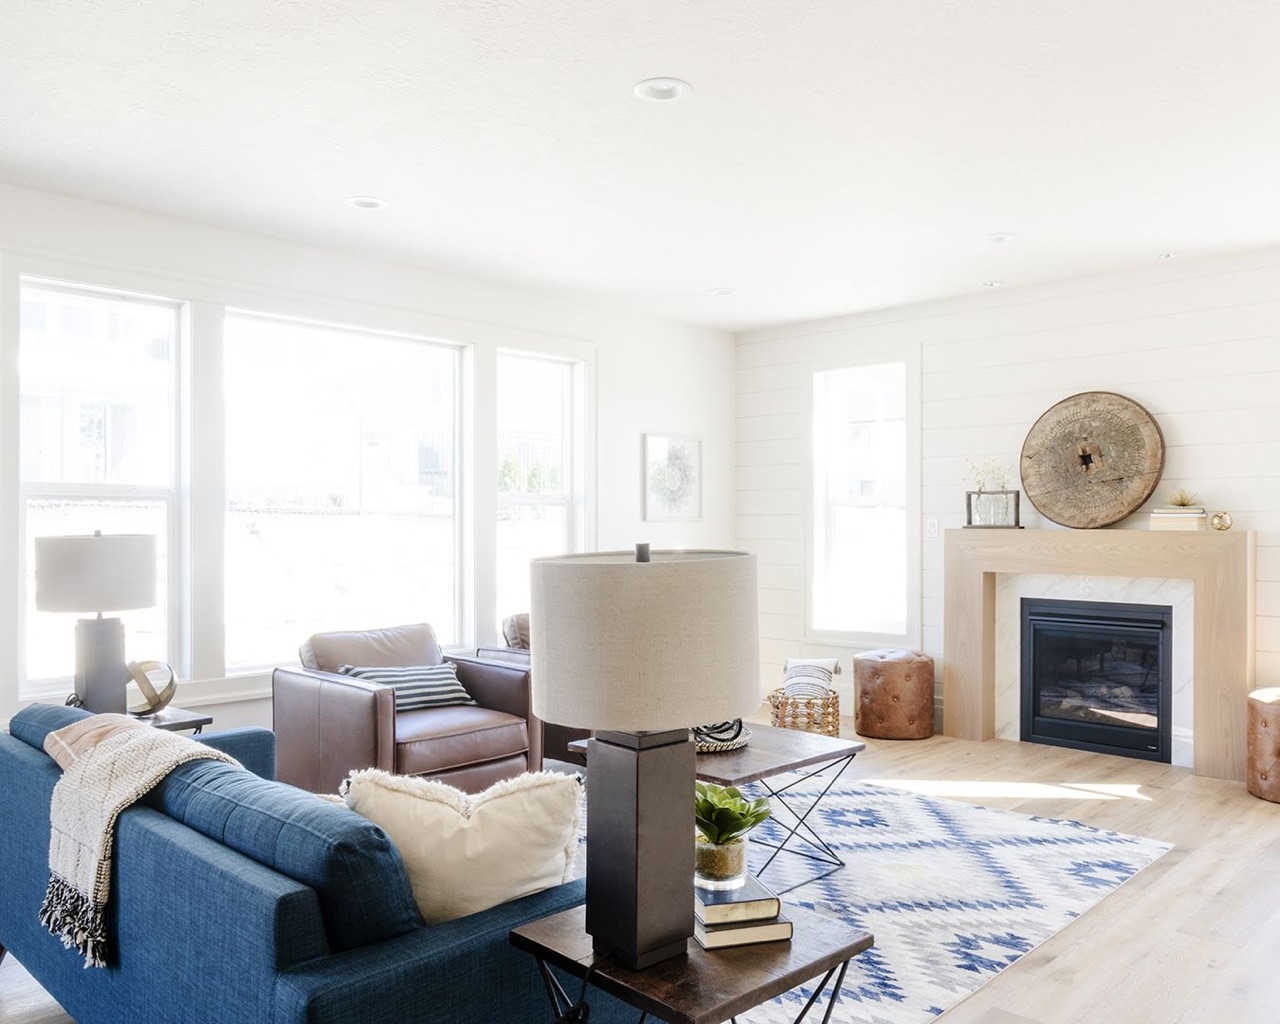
(95, 573)
(644, 646)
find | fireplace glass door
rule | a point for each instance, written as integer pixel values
(1096, 675)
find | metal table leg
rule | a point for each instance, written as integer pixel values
(796, 831)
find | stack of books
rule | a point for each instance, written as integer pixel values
(738, 917)
(1178, 517)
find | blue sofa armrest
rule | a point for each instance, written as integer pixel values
(460, 972)
(253, 747)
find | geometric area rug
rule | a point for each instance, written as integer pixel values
(953, 893)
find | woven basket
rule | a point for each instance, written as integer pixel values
(809, 714)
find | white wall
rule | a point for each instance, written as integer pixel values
(1196, 342)
(650, 375)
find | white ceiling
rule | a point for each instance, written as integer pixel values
(834, 156)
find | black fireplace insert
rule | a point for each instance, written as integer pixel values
(1098, 676)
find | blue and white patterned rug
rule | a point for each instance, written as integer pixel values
(952, 893)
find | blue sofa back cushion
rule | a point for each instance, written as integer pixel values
(36, 721)
(355, 870)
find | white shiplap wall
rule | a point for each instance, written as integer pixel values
(1197, 343)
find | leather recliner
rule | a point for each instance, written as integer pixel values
(328, 724)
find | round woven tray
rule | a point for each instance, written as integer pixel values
(721, 746)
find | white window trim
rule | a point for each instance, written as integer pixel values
(179, 583)
(911, 637)
(578, 453)
(200, 494)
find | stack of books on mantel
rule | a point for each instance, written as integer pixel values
(738, 917)
(1178, 517)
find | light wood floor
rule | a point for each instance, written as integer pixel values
(1193, 938)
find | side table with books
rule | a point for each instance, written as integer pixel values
(707, 986)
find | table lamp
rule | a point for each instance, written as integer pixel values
(98, 573)
(639, 651)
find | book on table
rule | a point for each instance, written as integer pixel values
(742, 933)
(752, 901)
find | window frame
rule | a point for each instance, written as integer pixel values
(573, 449)
(24, 491)
(462, 473)
(909, 356)
(196, 538)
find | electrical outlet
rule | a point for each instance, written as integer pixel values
(931, 528)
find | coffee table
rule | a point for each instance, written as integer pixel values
(705, 986)
(770, 753)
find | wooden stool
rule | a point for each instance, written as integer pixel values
(893, 694)
(1263, 774)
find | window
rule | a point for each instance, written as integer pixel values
(535, 470)
(98, 431)
(341, 484)
(860, 502)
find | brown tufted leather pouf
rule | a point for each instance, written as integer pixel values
(893, 694)
(1263, 775)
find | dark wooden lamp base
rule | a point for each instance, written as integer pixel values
(640, 845)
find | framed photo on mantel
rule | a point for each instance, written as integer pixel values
(672, 478)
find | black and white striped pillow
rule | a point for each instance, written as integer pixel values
(809, 677)
(417, 686)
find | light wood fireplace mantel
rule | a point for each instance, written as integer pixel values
(1219, 565)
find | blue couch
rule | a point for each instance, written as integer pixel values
(239, 899)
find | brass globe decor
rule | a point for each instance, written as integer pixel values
(148, 675)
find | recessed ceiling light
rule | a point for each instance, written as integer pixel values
(992, 284)
(719, 291)
(663, 90)
(366, 202)
(1000, 237)
(1168, 255)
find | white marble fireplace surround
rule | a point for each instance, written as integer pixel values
(1219, 567)
(1175, 594)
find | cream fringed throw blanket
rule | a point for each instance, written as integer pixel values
(108, 762)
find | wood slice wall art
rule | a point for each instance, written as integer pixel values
(1092, 459)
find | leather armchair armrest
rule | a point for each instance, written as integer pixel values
(502, 686)
(327, 725)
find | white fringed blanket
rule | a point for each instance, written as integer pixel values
(110, 761)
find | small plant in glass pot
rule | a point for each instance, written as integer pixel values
(723, 817)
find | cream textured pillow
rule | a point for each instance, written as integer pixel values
(468, 852)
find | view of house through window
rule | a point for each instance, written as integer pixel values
(535, 470)
(859, 529)
(97, 447)
(341, 485)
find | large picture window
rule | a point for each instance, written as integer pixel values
(535, 470)
(860, 551)
(298, 476)
(341, 484)
(97, 450)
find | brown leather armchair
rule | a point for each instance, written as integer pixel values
(328, 725)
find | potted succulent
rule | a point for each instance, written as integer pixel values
(723, 817)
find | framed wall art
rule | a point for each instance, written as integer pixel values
(672, 478)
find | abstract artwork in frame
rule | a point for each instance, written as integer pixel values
(672, 478)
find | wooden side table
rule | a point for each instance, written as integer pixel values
(705, 986)
(173, 719)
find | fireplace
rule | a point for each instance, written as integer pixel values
(1098, 676)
